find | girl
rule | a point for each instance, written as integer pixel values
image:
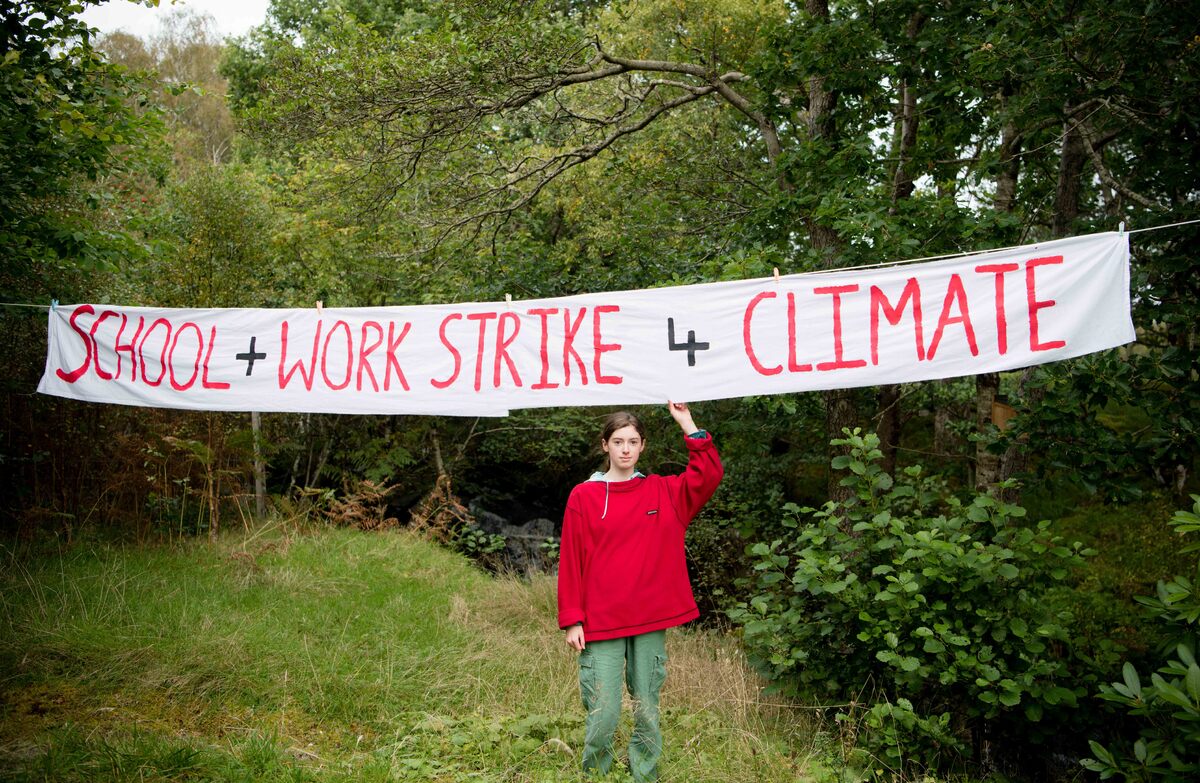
(622, 580)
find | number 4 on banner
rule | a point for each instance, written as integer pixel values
(691, 346)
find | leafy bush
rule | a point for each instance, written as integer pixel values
(715, 562)
(550, 550)
(480, 545)
(923, 611)
(1168, 747)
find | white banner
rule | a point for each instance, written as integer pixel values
(961, 316)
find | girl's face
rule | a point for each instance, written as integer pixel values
(624, 447)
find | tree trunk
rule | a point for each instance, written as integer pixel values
(1070, 180)
(1010, 163)
(943, 437)
(437, 452)
(987, 385)
(840, 413)
(260, 468)
(302, 432)
(987, 464)
(819, 125)
(1015, 459)
(321, 460)
(907, 121)
(210, 482)
(903, 185)
(889, 425)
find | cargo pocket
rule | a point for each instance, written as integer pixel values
(587, 680)
(659, 675)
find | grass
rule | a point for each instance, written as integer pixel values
(1135, 548)
(331, 656)
(1135, 545)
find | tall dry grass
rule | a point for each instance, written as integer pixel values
(710, 693)
(333, 655)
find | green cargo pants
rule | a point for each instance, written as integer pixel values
(642, 660)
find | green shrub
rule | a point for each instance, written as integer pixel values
(479, 545)
(716, 562)
(1168, 746)
(923, 611)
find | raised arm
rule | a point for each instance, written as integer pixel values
(683, 417)
(691, 489)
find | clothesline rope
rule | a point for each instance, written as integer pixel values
(839, 269)
(1169, 225)
(970, 252)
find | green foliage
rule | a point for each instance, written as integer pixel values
(1133, 553)
(716, 563)
(248, 60)
(333, 656)
(1142, 409)
(217, 226)
(478, 124)
(925, 608)
(479, 545)
(902, 738)
(550, 550)
(65, 116)
(1168, 707)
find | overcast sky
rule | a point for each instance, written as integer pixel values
(233, 17)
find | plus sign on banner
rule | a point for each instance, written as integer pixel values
(960, 316)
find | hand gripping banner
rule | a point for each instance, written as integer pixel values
(959, 316)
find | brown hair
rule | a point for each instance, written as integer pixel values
(619, 419)
(614, 422)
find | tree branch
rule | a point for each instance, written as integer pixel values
(1085, 134)
(553, 167)
(719, 83)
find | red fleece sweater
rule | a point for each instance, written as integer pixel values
(622, 570)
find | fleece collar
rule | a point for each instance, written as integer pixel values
(598, 476)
